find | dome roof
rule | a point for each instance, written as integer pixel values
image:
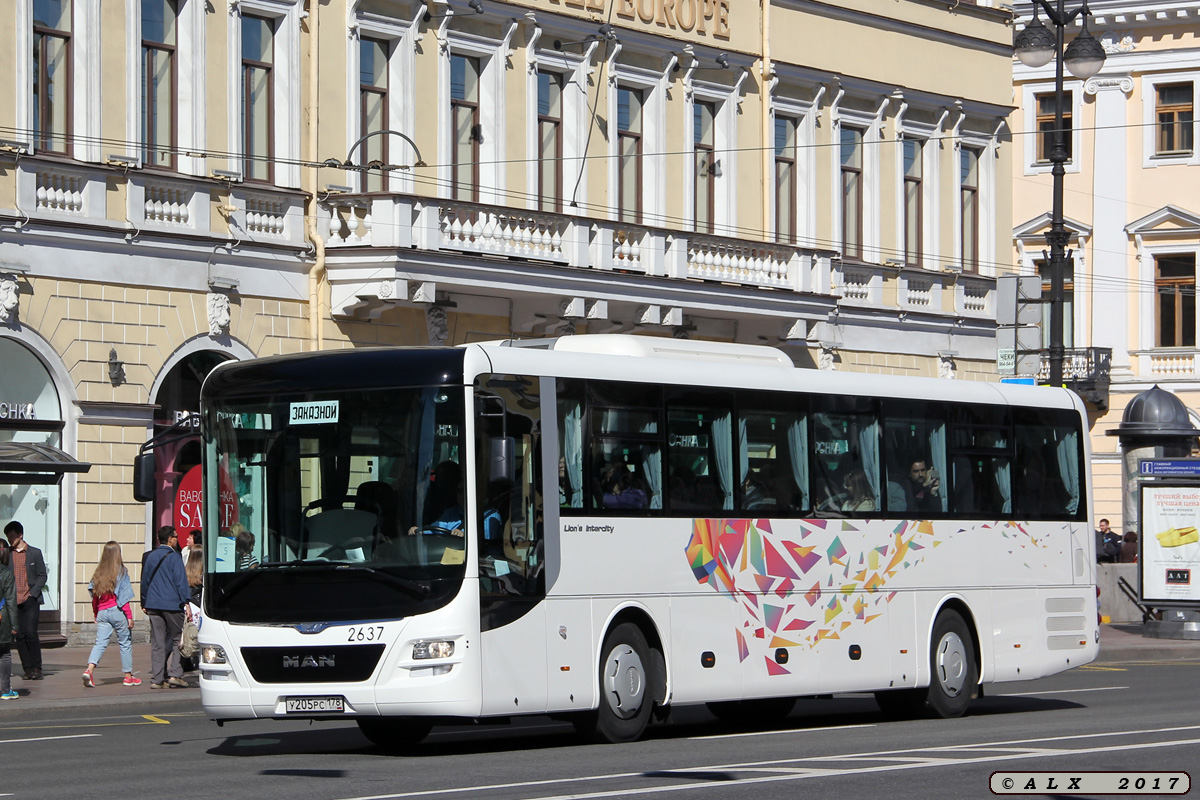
(1158, 413)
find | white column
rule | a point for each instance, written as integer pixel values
(1106, 313)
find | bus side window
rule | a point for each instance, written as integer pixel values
(845, 444)
(624, 429)
(570, 444)
(773, 453)
(1048, 473)
(917, 482)
(700, 478)
(981, 453)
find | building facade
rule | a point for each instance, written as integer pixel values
(1131, 209)
(184, 182)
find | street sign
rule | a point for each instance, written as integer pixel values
(1006, 360)
(1169, 468)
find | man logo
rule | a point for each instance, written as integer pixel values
(307, 661)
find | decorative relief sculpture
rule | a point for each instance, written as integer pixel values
(436, 324)
(946, 367)
(218, 314)
(10, 298)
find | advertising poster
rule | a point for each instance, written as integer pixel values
(1170, 544)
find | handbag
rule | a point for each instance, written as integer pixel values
(189, 640)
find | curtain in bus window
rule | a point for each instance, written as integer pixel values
(743, 451)
(1004, 486)
(937, 450)
(797, 438)
(723, 455)
(1068, 464)
(652, 468)
(572, 454)
(868, 446)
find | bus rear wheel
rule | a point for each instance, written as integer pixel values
(395, 734)
(625, 695)
(954, 675)
(953, 671)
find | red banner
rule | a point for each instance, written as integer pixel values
(189, 504)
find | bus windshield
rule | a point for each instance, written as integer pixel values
(334, 506)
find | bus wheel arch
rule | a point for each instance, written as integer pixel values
(955, 661)
(954, 649)
(631, 680)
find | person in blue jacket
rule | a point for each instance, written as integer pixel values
(165, 594)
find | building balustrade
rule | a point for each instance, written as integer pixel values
(1087, 370)
(164, 203)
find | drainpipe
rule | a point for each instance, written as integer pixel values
(317, 271)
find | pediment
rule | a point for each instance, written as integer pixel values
(1169, 220)
(1041, 223)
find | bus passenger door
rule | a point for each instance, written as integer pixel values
(509, 534)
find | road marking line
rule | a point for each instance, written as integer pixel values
(1062, 691)
(1094, 668)
(726, 784)
(815, 773)
(50, 738)
(774, 733)
(156, 720)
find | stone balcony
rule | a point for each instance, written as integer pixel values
(389, 249)
(461, 229)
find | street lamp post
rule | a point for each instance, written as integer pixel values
(1035, 45)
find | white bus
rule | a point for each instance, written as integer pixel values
(601, 528)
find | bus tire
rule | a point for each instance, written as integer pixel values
(395, 734)
(954, 675)
(759, 711)
(626, 698)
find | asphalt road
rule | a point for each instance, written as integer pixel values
(1123, 716)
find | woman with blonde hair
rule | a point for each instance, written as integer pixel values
(111, 595)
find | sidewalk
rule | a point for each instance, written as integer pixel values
(63, 686)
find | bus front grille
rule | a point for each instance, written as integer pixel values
(337, 664)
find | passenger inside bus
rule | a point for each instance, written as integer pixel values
(621, 488)
(859, 497)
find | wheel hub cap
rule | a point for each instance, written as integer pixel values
(624, 681)
(951, 663)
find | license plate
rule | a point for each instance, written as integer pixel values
(309, 705)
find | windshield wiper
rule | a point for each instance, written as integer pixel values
(418, 590)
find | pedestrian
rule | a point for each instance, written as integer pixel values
(8, 623)
(1108, 543)
(1129, 549)
(194, 567)
(111, 595)
(165, 595)
(194, 543)
(29, 569)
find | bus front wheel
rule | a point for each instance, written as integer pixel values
(625, 696)
(395, 734)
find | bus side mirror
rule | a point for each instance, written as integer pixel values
(501, 459)
(143, 477)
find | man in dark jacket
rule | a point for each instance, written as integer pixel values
(165, 594)
(29, 570)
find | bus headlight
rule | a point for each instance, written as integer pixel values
(213, 654)
(423, 650)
